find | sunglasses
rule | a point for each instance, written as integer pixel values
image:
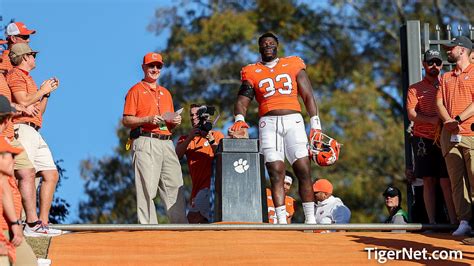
(32, 54)
(159, 66)
(24, 37)
(437, 62)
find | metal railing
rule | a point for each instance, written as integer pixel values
(269, 227)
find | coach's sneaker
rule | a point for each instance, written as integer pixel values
(463, 229)
(38, 229)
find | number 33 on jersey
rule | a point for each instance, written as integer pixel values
(275, 88)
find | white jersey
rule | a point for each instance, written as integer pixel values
(332, 211)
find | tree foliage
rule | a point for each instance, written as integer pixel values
(351, 49)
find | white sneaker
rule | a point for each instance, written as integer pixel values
(40, 230)
(464, 229)
(44, 262)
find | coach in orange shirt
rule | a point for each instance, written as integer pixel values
(16, 32)
(199, 146)
(455, 107)
(276, 84)
(429, 161)
(289, 201)
(149, 113)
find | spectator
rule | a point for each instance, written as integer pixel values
(26, 93)
(150, 114)
(12, 212)
(199, 146)
(289, 201)
(454, 102)
(276, 84)
(16, 32)
(393, 202)
(329, 209)
(429, 161)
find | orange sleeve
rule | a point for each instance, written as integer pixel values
(16, 82)
(131, 103)
(412, 100)
(245, 76)
(218, 136)
(439, 94)
(299, 64)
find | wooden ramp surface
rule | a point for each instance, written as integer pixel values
(246, 247)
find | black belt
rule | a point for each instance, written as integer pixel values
(156, 136)
(33, 125)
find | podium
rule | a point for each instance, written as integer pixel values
(240, 182)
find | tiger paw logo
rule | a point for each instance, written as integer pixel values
(241, 166)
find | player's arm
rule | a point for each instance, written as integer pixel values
(245, 96)
(305, 90)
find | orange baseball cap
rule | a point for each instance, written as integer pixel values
(322, 185)
(7, 147)
(18, 28)
(152, 58)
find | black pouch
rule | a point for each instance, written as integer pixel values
(135, 133)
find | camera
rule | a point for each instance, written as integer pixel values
(204, 113)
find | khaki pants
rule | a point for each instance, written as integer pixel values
(24, 254)
(157, 169)
(460, 163)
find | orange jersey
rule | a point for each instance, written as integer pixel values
(142, 100)
(199, 155)
(19, 80)
(457, 93)
(290, 208)
(422, 98)
(275, 88)
(5, 91)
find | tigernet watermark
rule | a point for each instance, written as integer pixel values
(383, 255)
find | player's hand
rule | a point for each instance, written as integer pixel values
(315, 134)
(238, 125)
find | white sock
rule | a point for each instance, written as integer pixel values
(308, 208)
(281, 214)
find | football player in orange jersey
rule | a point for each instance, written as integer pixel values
(276, 83)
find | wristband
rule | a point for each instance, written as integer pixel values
(458, 118)
(315, 123)
(239, 117)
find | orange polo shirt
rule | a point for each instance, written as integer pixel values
(422, 97)
(8, 244)
(142, 100)
(199, 155)
(290, 208)
(5, 63)
(20, 80)
(275, 88)
(457, 93)
(5, 91)
(16, 202)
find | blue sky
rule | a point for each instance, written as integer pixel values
(95, 48)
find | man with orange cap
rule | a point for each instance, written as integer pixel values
(149, 113)
(329, 209)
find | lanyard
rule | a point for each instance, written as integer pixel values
(154, 97)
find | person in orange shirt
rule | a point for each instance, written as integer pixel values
(429, 161)
(276, 84)
(16, 32)
(199, 146)
(289, 201)
(149, 113)
(25, 92)
(454, 102)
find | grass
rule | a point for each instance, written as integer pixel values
(40, 245)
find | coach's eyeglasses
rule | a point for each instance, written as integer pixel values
(32, 54)
(159, 66)
(435, 61)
